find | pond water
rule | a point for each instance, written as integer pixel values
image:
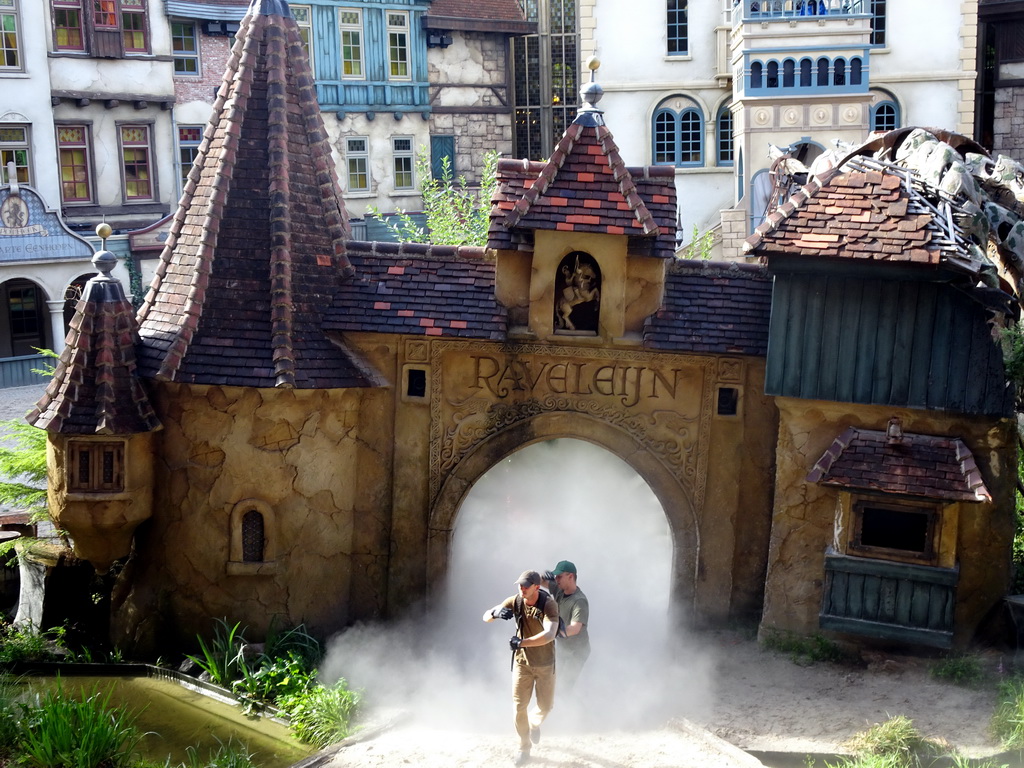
(177, 718)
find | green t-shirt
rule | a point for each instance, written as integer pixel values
(574, 608)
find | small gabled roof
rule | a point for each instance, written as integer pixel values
(498, 16)
(927, 466)
(257, 246)
(95, 389)
(585, 187)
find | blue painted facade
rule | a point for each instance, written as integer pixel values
(374, 89)
(795, 72)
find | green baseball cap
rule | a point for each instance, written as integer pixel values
(564, 566)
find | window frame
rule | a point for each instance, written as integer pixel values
(932, 512)
(149, 164)
(362, 158)
(136, 10)
(10, 146)
(87, 162)
(12, 58)
(685, 122)
(677, 36)
(406, 157)
(191, 146)
(877, 108)
(96, 452)
(725, 146)
(182, 56)
(355, 28)
(303, 15)
(58, 7)
(878, 23)
(398, 53)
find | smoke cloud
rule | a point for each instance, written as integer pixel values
(556, 500)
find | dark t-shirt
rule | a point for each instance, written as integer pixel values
(532, 624)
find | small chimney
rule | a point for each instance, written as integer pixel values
(894, 432)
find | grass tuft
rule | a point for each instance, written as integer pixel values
(803, 649)
(959, 669)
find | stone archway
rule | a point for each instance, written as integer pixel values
(678, 507)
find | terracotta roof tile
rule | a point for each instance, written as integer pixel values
(492, 10)
(927, 466)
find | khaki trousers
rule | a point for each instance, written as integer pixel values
(525, 681)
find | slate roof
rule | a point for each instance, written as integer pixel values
(585, 187)
(412, 288)
(257, 247)
(501, 16)
(712, 308)
(926, 466)
(95, 389)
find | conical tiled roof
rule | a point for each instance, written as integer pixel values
(257, 246)
(95, 389)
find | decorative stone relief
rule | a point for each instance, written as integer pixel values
(762, 116)
(663, 402)
(416, 351)
(851, 114)
(791, 116)
(730, 370)
(821, 115)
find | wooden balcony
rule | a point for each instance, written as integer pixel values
(889, 600)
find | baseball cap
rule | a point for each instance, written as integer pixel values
(564, 566)
(528, 579)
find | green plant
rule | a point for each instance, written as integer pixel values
(221, 658)
(455, 213)
(1008, 717)
(896, 743)
(960, 669)
(270, 679)
(322, 715)
(700, 245)
(294, 641)
(803, 649)
(234, 754)
(25, 643)
(63, 731)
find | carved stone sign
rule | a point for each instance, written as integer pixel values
(662, 401)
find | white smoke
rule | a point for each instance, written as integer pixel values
(556, 500)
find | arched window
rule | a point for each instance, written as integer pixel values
(678, 134)
(839, 72)
(885, 116)
(822, 73)
(756, 68)
(856, 71)
(577, 295)
(788, 73)
(723, 136)
(806, 72)
(252, 537)
(772, 79)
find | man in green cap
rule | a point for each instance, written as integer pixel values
(574, 610)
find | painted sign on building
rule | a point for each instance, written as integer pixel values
(29, 231)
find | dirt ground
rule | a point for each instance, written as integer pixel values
(736, 697)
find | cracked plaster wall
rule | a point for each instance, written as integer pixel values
(304, 454)
(804, 516)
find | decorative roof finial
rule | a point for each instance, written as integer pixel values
(104, 260)
(592, 92)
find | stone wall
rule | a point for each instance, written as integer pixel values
(1008, 126)
(805, 513)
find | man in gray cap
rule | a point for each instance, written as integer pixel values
(533, 655)
(574, 610)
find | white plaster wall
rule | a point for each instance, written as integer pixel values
(25, 98)
(379, 131)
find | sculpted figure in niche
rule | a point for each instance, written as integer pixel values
(577, 293)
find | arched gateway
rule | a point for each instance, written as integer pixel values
(290, 435)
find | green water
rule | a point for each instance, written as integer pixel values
(177, 718)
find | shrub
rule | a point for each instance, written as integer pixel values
(960, 669)
(1008, 717)
(65, 732)
(25, 643)
(322, 715)
(802, 649)
(221, 658)
(896, 743)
